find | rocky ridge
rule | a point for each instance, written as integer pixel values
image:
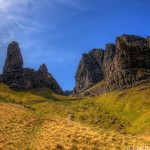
(119, 66)
(19, 78)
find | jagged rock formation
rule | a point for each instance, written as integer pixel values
(14, 58)
(46, 79)
(120, 66)
(20, 78)
(89, 71)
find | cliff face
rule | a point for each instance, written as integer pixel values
(89, 70)
(19, 78)
(130, 65)
(123, 65)
(47, 80)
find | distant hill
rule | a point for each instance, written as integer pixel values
(68, 92)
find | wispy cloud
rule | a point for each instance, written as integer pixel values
(11, 19)
(20, 17)
(40, 27)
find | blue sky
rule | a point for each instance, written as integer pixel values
(57, 32)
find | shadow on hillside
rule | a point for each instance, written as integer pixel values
(51, 96)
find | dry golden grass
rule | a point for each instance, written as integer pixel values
(57, 133)
(16, 125)
(20, 129)
(144, 136)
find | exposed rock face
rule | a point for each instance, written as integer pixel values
(89, 70)
(123, 65)
(133, 51)
(108, 57)
(130, 65)
(19, 78)
(14, 58)
(42, 70)
(47, 80)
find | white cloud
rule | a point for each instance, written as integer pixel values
(21, 19)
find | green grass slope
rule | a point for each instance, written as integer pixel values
(23, 129)
(126, 111)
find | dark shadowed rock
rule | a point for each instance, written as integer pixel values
(89, 70)
(131, 52)
(19, 78)
(43, 69)
(98, 55)
(123, 65)
(14, 58)
(130, 65)
(1, 78)
(108, 57)
(46, 80)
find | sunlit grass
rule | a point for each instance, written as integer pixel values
(16, 126)
(40, 116)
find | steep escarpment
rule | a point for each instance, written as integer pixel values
(89, 70)
(19, 78)
(131, 63)
(121, 66)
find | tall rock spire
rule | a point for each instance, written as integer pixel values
(14, 58)
(19, 78)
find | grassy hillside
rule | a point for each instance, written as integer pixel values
(16, 126)
(126, 111)
(23, 129)
(38, 119)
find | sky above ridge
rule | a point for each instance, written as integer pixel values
(57, 32)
